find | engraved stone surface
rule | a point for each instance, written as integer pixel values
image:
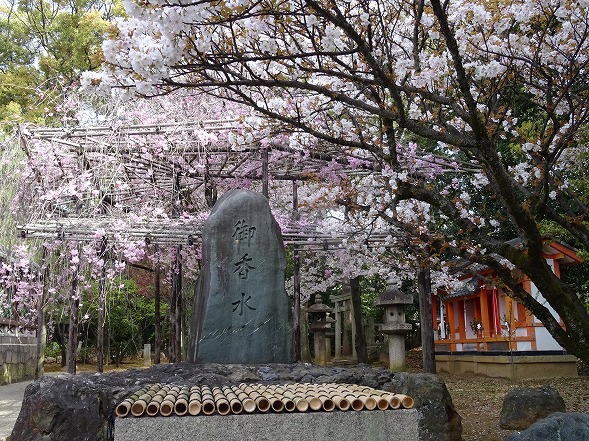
(241, 311)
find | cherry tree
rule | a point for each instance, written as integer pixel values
(491, 95)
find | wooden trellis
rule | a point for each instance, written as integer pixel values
(126, 172)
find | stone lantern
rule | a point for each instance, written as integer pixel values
(394, 300)
(320, 324)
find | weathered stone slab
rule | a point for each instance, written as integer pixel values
(311, 426)
(241, 311)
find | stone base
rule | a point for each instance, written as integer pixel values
(310, 426)
(516, 367)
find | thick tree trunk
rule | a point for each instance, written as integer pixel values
(425, 312)
(361, 350)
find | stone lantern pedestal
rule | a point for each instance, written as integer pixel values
(320, 325)
(393, 300)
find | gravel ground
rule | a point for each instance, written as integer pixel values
(478, 400)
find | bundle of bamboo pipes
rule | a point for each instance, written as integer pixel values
(302, 397)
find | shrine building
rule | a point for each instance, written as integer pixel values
(480, 329)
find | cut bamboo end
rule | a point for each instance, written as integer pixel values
(302, 405)
(194, 407)
(406, 401)
(122, 410)
(341, 403)
(208, 407)
(138, 407)
(166, 408)
(181, 407)
(315, 403)
(262, 404)
(395, 402)
(236, 406)
(153, 408)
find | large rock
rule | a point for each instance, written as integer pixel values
(81, 407)
(241, 312)
(440, 421)
(557, 427)
(526, 405)
(63, 408)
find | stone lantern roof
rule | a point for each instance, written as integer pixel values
(393, 295)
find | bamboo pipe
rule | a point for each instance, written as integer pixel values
(246, 402)
(167, 406)
(341, 402)
(194, 401)
(123, 409)
(181, 404)
(301, 403)
(221, 402)
(281, 393)
(208, 403)
(355, 402)
(320, 400)
(276, 404)
(395, 402)
(291, 395)
(234, 402)
(406, 401)
(140, 404)
(261, 402)
(381, 402)
(153, 407)
(369, 402)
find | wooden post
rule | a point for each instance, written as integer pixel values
(157, 307)
(72, 343)
(176, 308)
(338, 330)
(305, 350)
(101, 309)
(425, 311)
(179, 305)
(451, 331)
(265, 191)
(173, 321)
(296, 279)
(297, 305)
(485, 322)
(360, 340)
(41, 329)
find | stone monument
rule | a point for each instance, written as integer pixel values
(241, 311)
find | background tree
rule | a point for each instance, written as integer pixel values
(44, 46)
(376, 79)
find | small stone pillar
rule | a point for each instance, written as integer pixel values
(394, 300)
(147, 354)
(320, 324)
